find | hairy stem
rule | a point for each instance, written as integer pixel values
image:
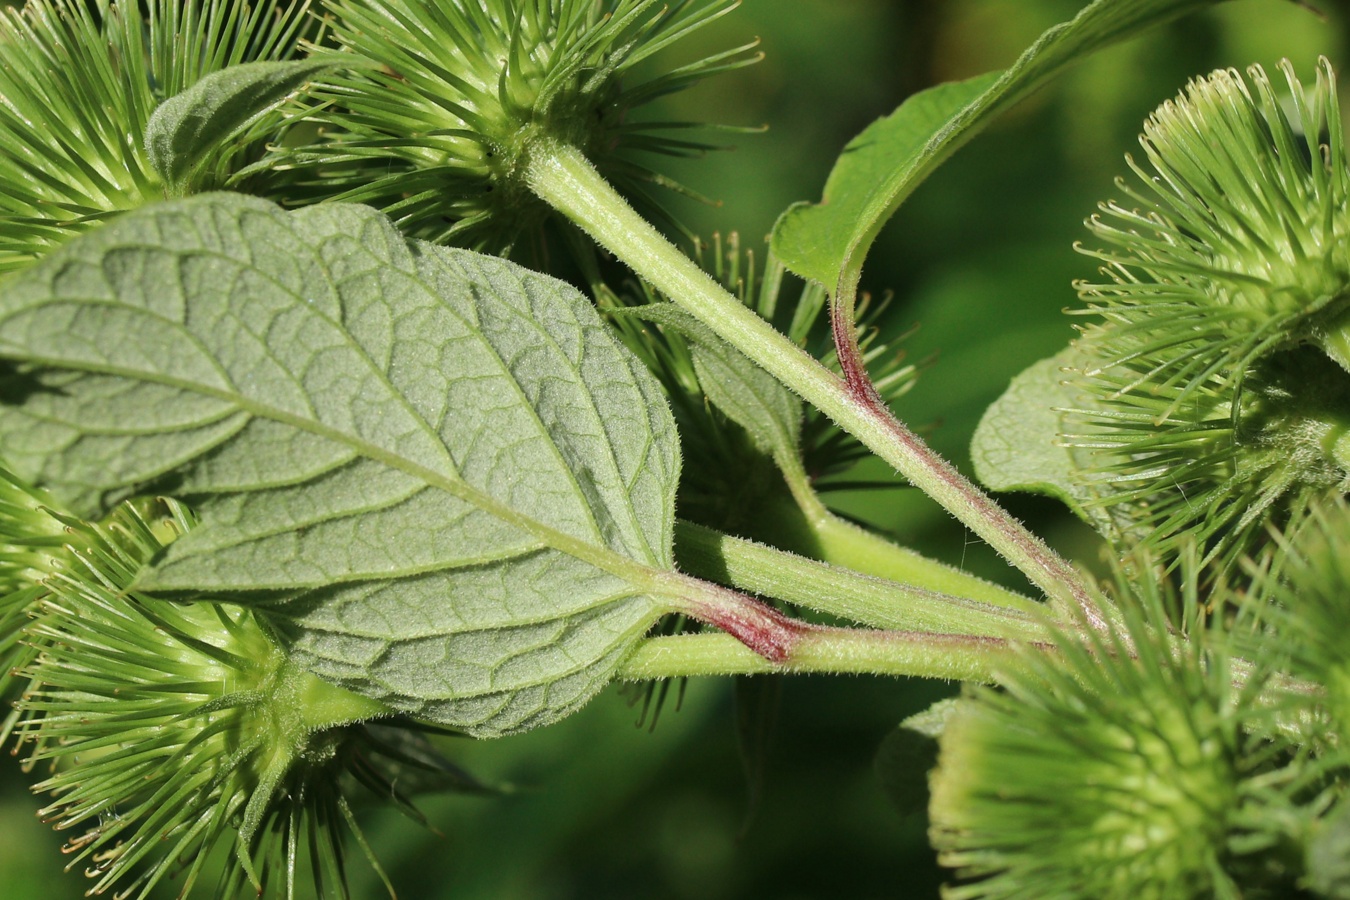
(563, 177)
(871, 601)
(805, 525)
(832, 650)
(844, 330)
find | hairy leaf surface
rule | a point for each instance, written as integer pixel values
(456, 479)
(185, 129)
(745, 393)
(879, 169)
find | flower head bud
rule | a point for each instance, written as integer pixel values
(1240, 244)
(1299, 619)
(36, 541)
(174, 729)
(433, 131)
(78, 83)
(1124, 766)
(33, 534)
(1219, 377)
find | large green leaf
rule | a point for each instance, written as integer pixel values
(869, 181)
(879, 169)
(457, 479)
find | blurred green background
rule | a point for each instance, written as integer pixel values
(981, 260)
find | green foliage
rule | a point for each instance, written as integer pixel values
(826, 242)
(756, 437)
(1209, 397)
(1216, 288)
(744, 392)
(36, 540)
(1327, 856)
(877, 170)
(299, 493)
(433, 132)
(186, 130)
(81, 82)
(1297, 606)
(167, 730)
(911, 749)
(1018, 444)
(315, 378)
(1125, 767)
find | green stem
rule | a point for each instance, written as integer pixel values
(876, 602)
(805, 525)
(850, 546)
(563, 177)
(832, 650)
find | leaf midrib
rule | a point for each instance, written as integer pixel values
(381, 372)
(641, 575)
(543, 618)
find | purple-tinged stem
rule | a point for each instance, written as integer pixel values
(563, 177)
(764, 630)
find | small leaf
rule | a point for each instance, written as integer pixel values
(457, 480)
(185, 129)
(1017, 445)
(745, 393)
(878, 170)
(814, 239)
(908, 753)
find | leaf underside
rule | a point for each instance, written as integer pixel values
(447, 478)
(187, 128)
(1018, 444)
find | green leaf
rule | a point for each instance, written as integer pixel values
(871, 178)
(879, 169)
(187, 128)
(1017, 445)
(745, 393)
(458, 481)
(1328, 853)
(908, 753)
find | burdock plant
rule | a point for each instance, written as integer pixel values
(439, 128)
(164, 730)
(1217, 353)
(1126, 767)
(79, 83)
(296, 463)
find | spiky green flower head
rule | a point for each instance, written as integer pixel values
(171, 730)
(1297, 615)
(1121, 766)
(36, 541)
(39, 542)
(1220, 379)
(434, 133)
(79, 81)
(33, 534)
(1229, 462)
